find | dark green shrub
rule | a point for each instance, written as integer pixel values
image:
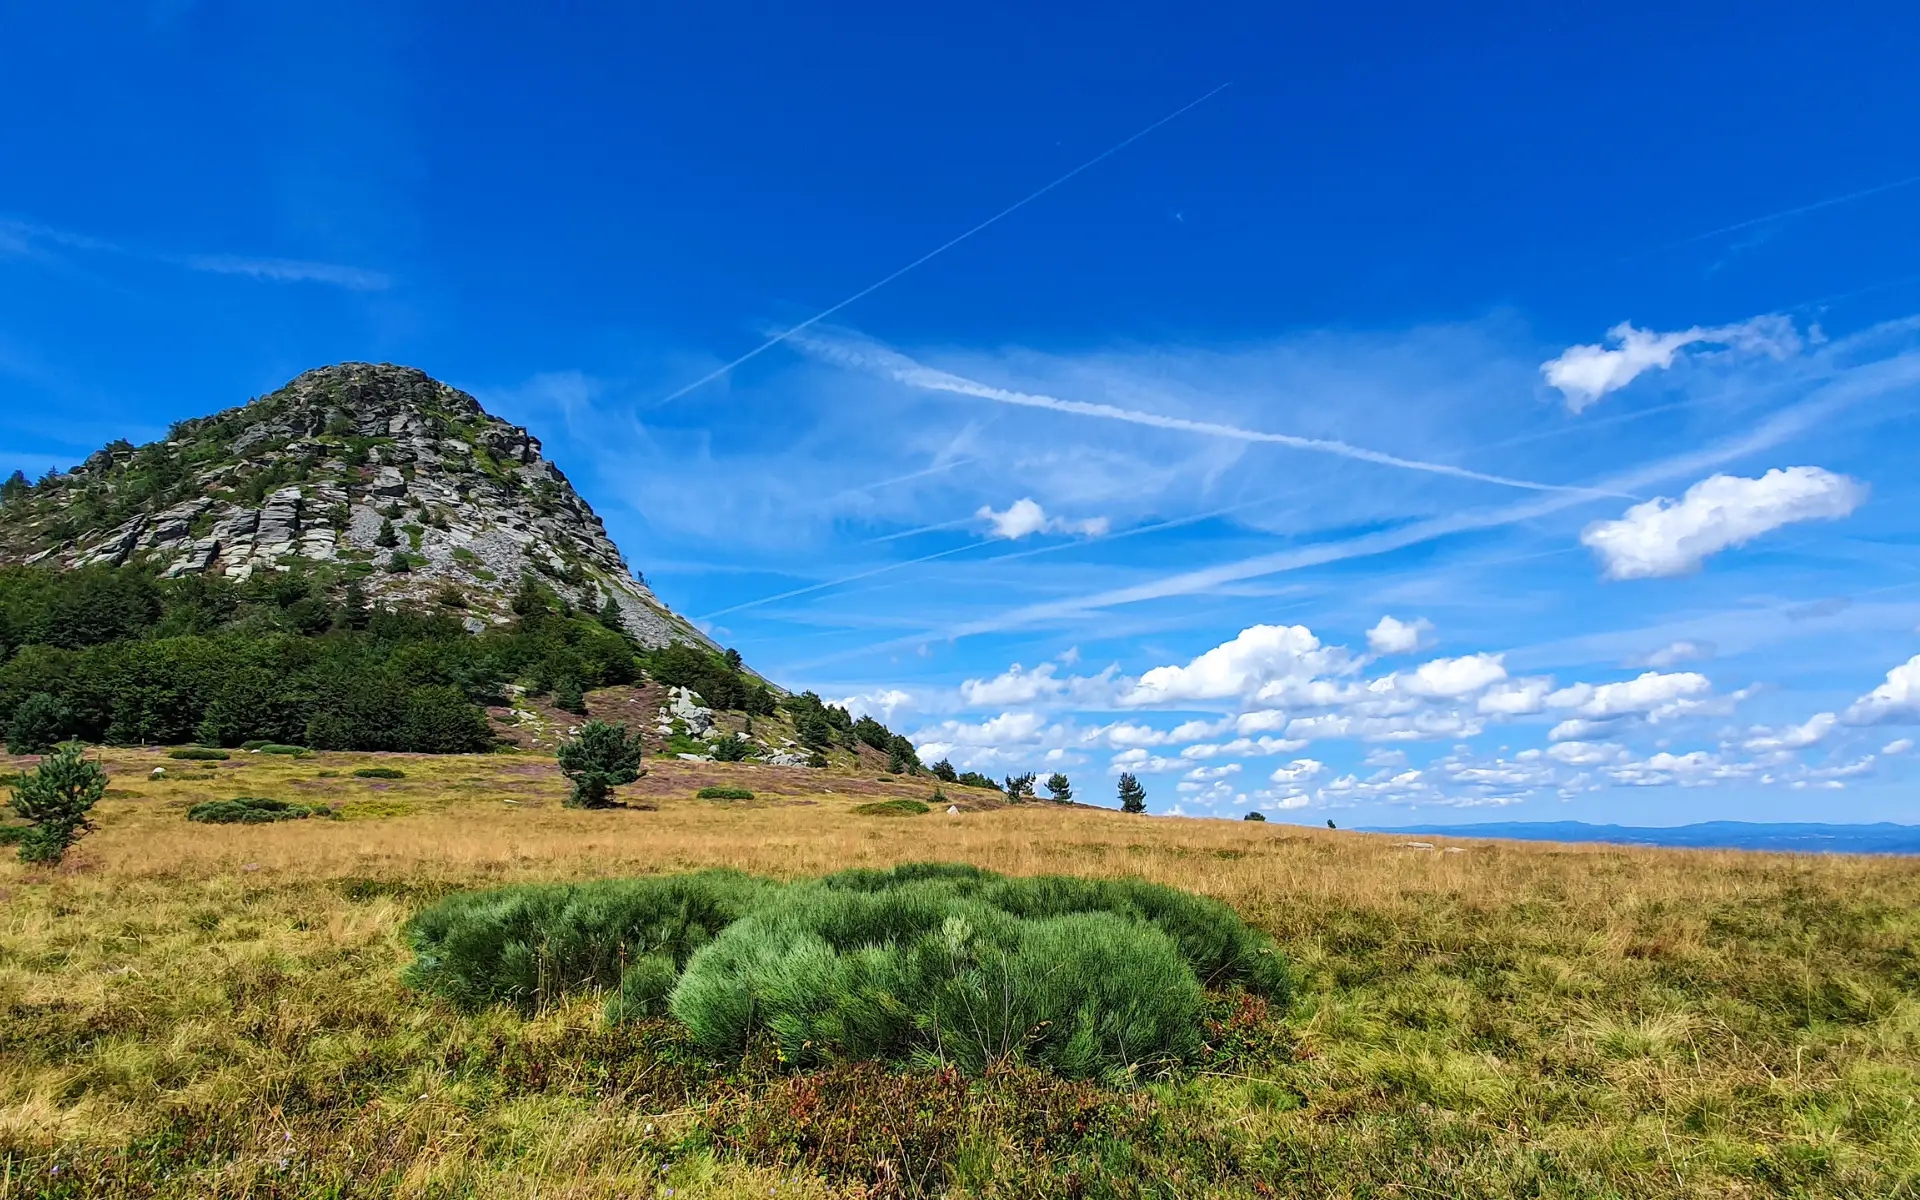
(598, 759)
(379, 773)
(568, 697)
(899, 807)
(251, 810)
(723, 793)
(731, 748)
(255, 744)
(925, 962)
(525, 945)
(291, 751)
(54, 799)
(199, 754)
(1254, 816)
(38, 724)
(1133, 797)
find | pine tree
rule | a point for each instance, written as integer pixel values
(398, 564)
(14, 488)
(1059, 788)
(734, 661)
(354, 613)
(1019, 787)
(1133, 797)
(569, 697)
(56, 797)
(598, 759)
(609, 614)
(386, 539)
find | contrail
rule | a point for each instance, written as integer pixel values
(937, 251)
(1791, 212)
(1781, 427)
(905, 370)
(833, 583)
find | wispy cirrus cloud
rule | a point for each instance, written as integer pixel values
(893, 365)
(25, 238)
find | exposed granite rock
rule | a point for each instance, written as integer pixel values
(306, 473)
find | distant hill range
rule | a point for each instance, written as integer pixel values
(378, 470)
(1881, 838)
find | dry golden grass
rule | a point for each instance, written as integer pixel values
(192, 1010)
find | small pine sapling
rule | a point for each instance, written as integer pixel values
(55, 798)
(598, 759)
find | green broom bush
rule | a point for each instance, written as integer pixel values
(930, 962)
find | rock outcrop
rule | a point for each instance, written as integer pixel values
(378, 470)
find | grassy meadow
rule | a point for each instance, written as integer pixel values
(195, 1010)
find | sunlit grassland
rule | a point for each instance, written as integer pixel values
(195, 1010)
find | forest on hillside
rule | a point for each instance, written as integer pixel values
(301, 657)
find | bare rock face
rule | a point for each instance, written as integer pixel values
(329, 469)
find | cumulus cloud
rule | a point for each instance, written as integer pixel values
(1259, 655)
(1583, 374)
(1665, 537)
(1015, 686)
(1025, 516)
(880, 702)
(1392, 636)
(1651, 694)
(1895, 702)
(1673, 654)
(1516, 697)
(1209, 774)
(1298, 771)
(1897, 746)
(1454, 677)
(1793, 737)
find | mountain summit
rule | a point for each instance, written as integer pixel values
(379, 469)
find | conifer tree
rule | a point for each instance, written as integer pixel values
(1059, 788)
(1133, 797)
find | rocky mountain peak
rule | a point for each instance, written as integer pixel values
(377, 471)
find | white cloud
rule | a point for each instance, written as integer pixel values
(1895, 702)
(1586, 754)
(880, 702)
(1793, 737)
(1673, 654)
(1516, 698)
(1650, 693)
(1208, 774)
(1297, 771)
(1452, 677)
(1260, 654)
(1015, 686)
(1025, 516)
(1897, 746)
(1664, 537)
(1583, 374)
(1391, 636)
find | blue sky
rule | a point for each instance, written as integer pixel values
(1584, 347)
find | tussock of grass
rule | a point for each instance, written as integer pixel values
(252, 810)
(900, 806)
(723, 793)
(931, 962)
(379, 773)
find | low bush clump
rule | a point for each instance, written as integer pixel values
(723, 793)
(292, 751)
(379, 773)
(901, 806)
(199, 754)
(926, 963)
(253, 810)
